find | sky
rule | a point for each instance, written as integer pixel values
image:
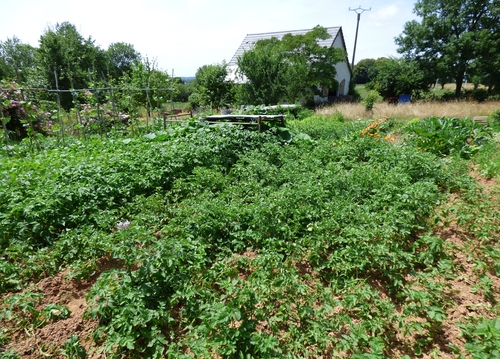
(183, 35)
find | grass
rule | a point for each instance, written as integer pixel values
(460, 109)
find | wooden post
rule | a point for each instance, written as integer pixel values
(59, 106)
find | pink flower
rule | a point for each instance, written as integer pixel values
(123, 225)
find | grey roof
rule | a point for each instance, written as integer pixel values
(251, 39)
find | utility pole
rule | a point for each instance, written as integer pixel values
(358, 11)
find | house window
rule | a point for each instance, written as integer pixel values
(342, 88)
(325, 91)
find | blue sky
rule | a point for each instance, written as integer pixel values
(186, 34)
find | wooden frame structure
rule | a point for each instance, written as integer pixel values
(245, 120)
(177, 116)
(258, 121)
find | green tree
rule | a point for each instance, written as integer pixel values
(64, 50)
(17, 60)
(146, 86)
(121, 57)
(213, 89)
(262, 71)
(452, 34)
(185, 89)
(398, 76)
(291, 69)
(364, 71)
(486, 68)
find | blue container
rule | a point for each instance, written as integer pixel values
(404, 99)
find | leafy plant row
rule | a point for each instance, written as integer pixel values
(238, 245)
(55, 190)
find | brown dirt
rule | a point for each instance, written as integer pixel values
(466, 301)
(48, 340)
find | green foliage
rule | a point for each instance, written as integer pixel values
(9, 354)
(397, 77)
(288, 69)
(364, 71)
(263, 69)
(447, 136)
(483, 338)
(22, 310)
(72, 348)
(488, 159)
(324, 128)
(122, 57)
(233, 243)
(291, 112)
(370, 99)
(185, 90)
(20, 118)
(495, 119)
(81, 183)
(64, 50)
(213, 89)
(461, 32)
(17, 60)
(157, 84)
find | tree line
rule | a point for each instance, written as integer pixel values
(65, 60)
(291, 69)
(455, 41)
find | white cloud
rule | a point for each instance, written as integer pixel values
(388, 12)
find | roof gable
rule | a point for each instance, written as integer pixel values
(251, 39)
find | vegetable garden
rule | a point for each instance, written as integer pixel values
(335, 238)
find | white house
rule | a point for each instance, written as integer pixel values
(344, 72)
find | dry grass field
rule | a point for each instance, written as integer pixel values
(460, 109)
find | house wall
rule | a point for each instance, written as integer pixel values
(343, 73)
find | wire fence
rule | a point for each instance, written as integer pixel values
(29, 111)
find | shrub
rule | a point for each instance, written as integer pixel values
(447, 135)
(479, 95)
(18, 115)
(495, 118)
(370, 100)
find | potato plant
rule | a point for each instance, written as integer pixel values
(234, 244)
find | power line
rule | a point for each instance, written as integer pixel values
(358, 11)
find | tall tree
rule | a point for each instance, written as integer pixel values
(487, 67)
(291, 69)
(16, 59)
(452, 34)
(213, 89)
(364, 71)
(64, 50)
(262, 71)
(146, 86)
(121, 57)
